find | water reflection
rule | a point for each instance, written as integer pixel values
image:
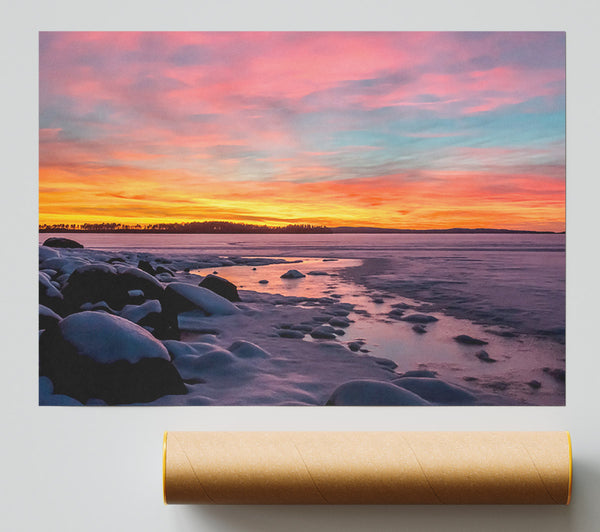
(519, 359)
(322, 277)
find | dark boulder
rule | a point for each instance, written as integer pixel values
(396, 313)
(59, 242)
(385, 362)
(47, 317)
(556, 373)
(144, 265)
(469, 340)
(101, 282)
(339, 321)
(96, 355)
(164, 269)
(419, 318)
(137, 279)
(221, 286)
(484, 356)
(92, 283)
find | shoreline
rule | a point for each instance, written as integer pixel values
(289, 366)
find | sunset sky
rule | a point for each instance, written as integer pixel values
(404, 130)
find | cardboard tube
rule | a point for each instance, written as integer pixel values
(367, 467)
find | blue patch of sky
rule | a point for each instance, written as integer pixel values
(503, 127)
(59, 114)
(422, 140)
(191, 54)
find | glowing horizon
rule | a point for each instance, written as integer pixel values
(387, 129)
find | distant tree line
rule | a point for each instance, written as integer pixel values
(235, 227)
(185, 228)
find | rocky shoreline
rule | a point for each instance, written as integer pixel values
(137, 328)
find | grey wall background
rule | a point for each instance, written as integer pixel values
(97, 469)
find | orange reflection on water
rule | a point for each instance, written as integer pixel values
(247, 278)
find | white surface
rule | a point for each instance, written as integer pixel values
(98, 469)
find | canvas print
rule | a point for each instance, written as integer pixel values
(302, 218)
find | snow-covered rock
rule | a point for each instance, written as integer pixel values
(292, 274)
(49, 295)
(106, 338)
(324, 332)
(373, 393)
(181, 297)
(135, 293)
(63, 264)
(179, 349)
(97, 355)
(46, 253)
(436, 390)
(101, 306)
(385, 362)
(137, 313)
(215, 362)
(243, 349)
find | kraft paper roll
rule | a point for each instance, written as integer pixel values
(367, 467)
